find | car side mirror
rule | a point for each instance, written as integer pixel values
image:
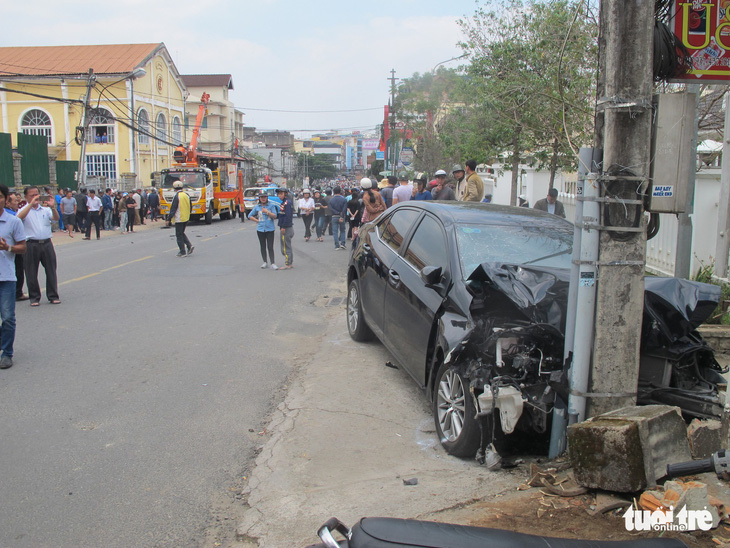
(431, 276)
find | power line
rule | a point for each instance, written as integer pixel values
(310, 111)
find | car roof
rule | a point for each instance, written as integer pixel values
(480, 213)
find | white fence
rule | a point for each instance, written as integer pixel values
(660, 250)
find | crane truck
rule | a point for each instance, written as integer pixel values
(203, 184)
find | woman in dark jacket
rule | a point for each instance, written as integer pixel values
(320, 209)
(354, 207)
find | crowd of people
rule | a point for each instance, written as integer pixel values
(114, 210)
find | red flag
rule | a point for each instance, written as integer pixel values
(386, 124)
(381, 146)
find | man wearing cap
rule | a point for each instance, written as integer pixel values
(459, 184)
(286, 227)
(523, 201)
(442, 191)
(474, 184)
(180, 213)
(403, 192)
(387, 192)
(551, 204)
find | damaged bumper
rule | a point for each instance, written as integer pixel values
(513, 360)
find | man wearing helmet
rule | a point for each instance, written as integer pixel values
(180, 214)
(459, 184)
(286, 227)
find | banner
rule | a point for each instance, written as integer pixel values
(704, 29)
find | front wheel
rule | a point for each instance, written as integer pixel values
(358, 329)
(454, 413)
(209, 216)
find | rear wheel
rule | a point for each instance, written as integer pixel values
(359, 330)
(454, 413)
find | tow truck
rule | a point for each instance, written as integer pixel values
(200, 182)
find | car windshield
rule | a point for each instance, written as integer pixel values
(534, 245)
(251, 192)
(192, 179)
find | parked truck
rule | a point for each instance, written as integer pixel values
(201, 179)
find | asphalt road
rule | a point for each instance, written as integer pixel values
(133, 410)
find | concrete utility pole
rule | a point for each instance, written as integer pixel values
(392, 154)
(81, 177)
(624, 97)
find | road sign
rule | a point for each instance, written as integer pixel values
(406, 156)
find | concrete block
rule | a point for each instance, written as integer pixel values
(628, 449)
(705, 437)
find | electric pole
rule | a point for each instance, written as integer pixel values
(392, 153)
(625, 114)
(81, 179)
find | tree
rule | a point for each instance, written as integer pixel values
(316, 166)
(531, 79)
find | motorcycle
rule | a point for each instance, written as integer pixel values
(392, 532)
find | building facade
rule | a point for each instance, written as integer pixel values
(116, 110)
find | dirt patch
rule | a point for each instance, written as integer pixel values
(563, 517)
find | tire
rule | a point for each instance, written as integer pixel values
(454, 413)
(209, 216)
(356, 325)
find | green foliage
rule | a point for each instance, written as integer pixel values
(527, 89)
(705, 274)
(376, 167)
(316, 166)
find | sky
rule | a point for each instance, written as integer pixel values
(283, 55)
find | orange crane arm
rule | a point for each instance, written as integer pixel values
(191, 152)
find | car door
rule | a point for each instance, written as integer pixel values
(379, 249)
(410, 306)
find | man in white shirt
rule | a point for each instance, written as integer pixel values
(12, 243)
(93, 203)
(39, 248)
(403, 192)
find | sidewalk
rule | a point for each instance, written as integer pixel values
(350, 431)
(61, 237)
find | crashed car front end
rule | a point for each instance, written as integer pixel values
(513, 356)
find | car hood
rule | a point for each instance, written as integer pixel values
(673, 307)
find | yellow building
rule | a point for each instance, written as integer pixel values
(119, 107)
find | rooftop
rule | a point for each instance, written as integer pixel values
(204, 80)
(74, 60)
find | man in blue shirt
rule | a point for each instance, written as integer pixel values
(338, 209)
(12, 242)
(107, 208)
(286, 227)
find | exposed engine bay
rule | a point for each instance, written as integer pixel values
(513, 358)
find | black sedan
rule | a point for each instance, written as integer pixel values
(470, 299)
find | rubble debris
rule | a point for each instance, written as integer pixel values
(677, 496)
(705, 437)
(606, 502)
(628, 449)
(412, 481)
(391, 365)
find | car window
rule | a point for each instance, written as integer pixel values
(536, 245)
(428, 245)
(393, 232)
